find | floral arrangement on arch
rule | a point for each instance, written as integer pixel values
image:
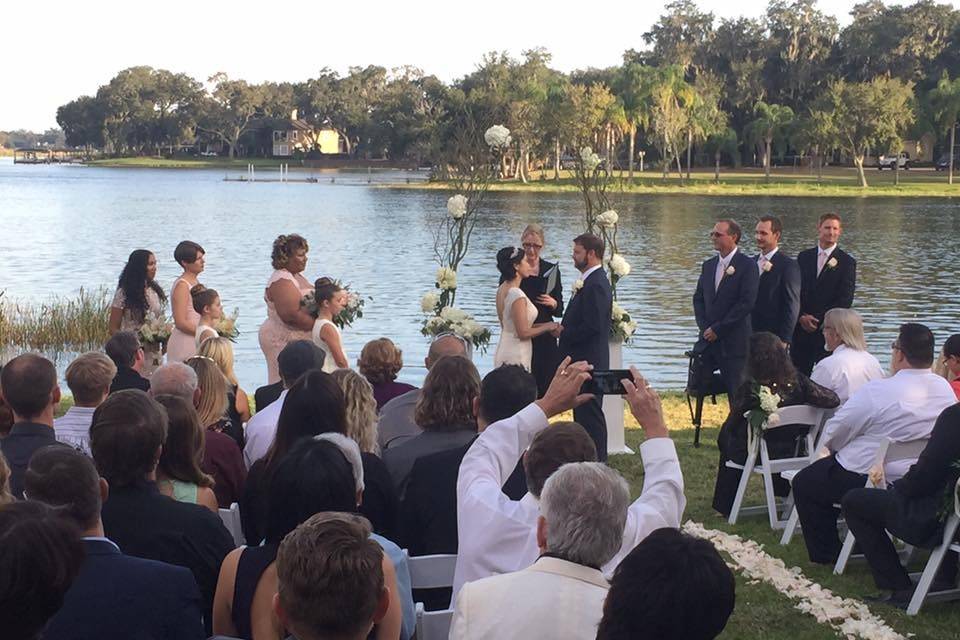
(351, 312)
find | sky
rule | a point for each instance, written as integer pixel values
(54, 52)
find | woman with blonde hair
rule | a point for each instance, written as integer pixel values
(380, 361)
(549, 304)
(380, 504)
(849, 367)
(6, 497)
(222, 456)
(178, 473)
(220, 350)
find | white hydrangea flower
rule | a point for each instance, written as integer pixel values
(773, 419)
(619, 265)
(608, 218)
(429, 302)
(457, 206)
(497, 137)
(628, 327)
(453, 315)
(618, 312)
(446, 278)
(769, 401)
(589, 159)
(435, 323)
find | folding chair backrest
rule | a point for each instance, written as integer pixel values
(231, 520)
(803, 414)
(908, 450)
(956, 498)
(434, 625)
(432, 572)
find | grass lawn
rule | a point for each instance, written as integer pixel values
(837, 181)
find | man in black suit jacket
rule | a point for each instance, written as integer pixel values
(124, 349)
(115, 596)
(828, 279)
(725, 296)
(910, 510)
(778, 294)
(586, 329)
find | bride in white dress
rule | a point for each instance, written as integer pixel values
(516, 312)
(331, 299)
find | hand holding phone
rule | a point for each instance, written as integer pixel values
(607, 383)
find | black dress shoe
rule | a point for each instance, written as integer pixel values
(899, 599)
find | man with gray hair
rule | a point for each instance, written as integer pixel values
(175, 379)
(583, 512)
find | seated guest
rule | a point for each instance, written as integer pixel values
(330, 581)
(29, 386)
(89, 378)
(496, 534)
(849, 367)
(126, 438)
(6, 415)
(912, 510)
(671, 587)
(115, 595)
(6, 497)
(175, 379)
(397, 424)
(380, 362)
(313, 405)
(583, 510)
(220, 351)
(428, 516)
(40, 555)
(297, 358)
(951, 361)
(315, 476)
(768, 364)
(380, 505)
(125, 350)
(902, 407)
(178, 473)
(222, 456)
(444, 412)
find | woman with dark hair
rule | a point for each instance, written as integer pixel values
(178, 473)
(331, 299)
(313, 405)
(138, 296)
(768, 364)
(286, 319)
(313, 477)
(517, 314)
(190, 256)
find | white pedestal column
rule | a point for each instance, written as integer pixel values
(613, 407)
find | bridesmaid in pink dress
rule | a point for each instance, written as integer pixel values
(286, 321)
(190, 256)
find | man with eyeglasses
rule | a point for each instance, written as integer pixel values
(902, 407)
(125, 350)
(724, 299)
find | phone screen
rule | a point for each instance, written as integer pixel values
(607, 383)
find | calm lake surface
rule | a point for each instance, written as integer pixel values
(63, 228)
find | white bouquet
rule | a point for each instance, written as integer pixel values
(351, 311)
(446, 279)
(227, 326)
(457, 206)
(619, 266)
(497, 137)
(589, 159)
(156, 329)
(608, 219)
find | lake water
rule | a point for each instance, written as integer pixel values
(62, 228)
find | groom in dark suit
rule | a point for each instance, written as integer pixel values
(828, 278)
(725, 296)
(778, 294)
(586, 329)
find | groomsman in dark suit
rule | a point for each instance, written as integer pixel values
(586, 329)
(778, 294)
(725, 296)
(828, 277)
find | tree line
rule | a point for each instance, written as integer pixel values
(698, 90)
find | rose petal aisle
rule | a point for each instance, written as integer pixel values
(849, 617)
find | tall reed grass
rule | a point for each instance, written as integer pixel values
(58, 325)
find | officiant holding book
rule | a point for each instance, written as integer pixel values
(545, 290)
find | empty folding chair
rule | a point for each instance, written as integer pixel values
(231, 520)
(432, 572)
(922, 593)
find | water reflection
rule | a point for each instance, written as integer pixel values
(67, 227)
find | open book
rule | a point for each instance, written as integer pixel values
(548, 281)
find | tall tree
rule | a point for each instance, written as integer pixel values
(704, 117)
(801, 39)
(681, 36)
(229, 111)
(634, 85)
(719, 143)
(82, 121)
(945, 99)
(770, 125)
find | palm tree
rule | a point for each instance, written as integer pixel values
(720, 142)
(771, 124)
(945, 99)
(634, 86)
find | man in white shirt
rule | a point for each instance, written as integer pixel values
(498, 535)
(89, 378)
(903, 407)
(850, 366)
(583, 510)
(294, 360)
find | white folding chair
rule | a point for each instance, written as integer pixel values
(922, 593)
(432, 572)
(231, 520)
(802, 415)
(793, 521)
(889, 451)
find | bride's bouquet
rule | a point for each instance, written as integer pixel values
(155, 330)
(455, 321)
(227, 326)
(351, 312)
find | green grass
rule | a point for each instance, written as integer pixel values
(837, 182)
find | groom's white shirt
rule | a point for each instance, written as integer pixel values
(498, 535)
(586, 274)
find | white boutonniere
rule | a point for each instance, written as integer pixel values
(730, 270)
(832, 263)
(577, 285)
(767, 266)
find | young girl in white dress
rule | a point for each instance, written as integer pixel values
(206, 302)
(331, 299)
(516, 312)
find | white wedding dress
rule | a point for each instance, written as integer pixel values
(511, 349)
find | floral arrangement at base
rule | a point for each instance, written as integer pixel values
(227, 326)
(622, 326)
(351, 312)
(456, 321)
(155, 330)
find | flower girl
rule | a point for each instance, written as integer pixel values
(330, 299)
(206, 302)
